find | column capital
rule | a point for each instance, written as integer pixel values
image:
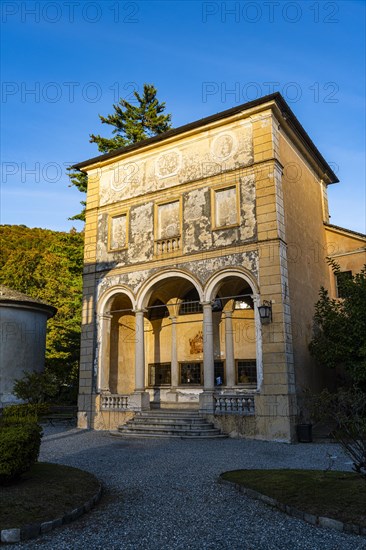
(206, 304)
(105, 316)
(228, 312)
(173, 318)
(143, 310)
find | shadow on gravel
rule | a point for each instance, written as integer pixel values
(61, 435)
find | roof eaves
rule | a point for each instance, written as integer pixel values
(344, 229)
(277, 97)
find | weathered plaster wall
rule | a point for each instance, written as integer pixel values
(202, 268)
(189, 159)
(197, 233)
(306, 251)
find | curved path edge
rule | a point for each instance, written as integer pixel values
(319, 521)
(33, 530)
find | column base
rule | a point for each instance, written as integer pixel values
(172, 396)
(207, 402)
(139, 401)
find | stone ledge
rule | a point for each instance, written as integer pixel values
(33, 530)
(319, 521)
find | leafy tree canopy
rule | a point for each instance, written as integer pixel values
(48, 265)
(340, 334)
(131, 124)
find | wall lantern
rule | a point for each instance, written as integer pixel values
(265, 312)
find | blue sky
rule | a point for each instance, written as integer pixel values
(65, 62)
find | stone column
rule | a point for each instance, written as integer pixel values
(174, 356)
(140, 399)
(229, 349)
(206, 398)
(105, 349)
(139, 351)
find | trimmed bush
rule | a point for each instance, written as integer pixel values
(19, 449)
(26, 411)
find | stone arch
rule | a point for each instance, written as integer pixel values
(147, 288)
(214, 281)
(211, 289)
(107, 297)
(108, 335)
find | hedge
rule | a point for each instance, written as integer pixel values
(19, 448)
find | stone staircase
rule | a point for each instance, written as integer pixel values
(168, 423)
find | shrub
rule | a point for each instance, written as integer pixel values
(347, 408)
(340, 328)
(26, 411)
(19, 449)
(36, 387)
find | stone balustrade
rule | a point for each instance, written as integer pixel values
(115, 402)
(167, 246)
(234, 404)
(224, 404)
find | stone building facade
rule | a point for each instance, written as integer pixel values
(187, 235)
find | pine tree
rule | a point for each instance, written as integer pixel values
(132, 123)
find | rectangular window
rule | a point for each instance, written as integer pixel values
(168, 227)
(246, 372)
(191, 374)
(118, 232)
(159, 374)
(341, 279)
(225, 207)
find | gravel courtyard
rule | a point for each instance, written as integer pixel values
(163, 494)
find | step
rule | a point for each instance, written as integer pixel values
(169, 421)
(164, 436)
(169, 426)
(170, 433)
(169, 413)
(141, 428)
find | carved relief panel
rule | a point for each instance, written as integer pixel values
(118, 232)
(225, 204)
(168, 220)
(211, 153)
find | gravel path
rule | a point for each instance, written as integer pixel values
(163, 494)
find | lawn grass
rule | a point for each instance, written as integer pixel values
(46, 492)
(337, 495)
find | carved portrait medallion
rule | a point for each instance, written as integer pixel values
(168, 164)
(223, 146)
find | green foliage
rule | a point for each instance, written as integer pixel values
(48, 265)
(340, 328)
(347, 409)
(19, 449)
(30, 411)
(131, 124)
(80, 180)
(36, 387)
(134, 123)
